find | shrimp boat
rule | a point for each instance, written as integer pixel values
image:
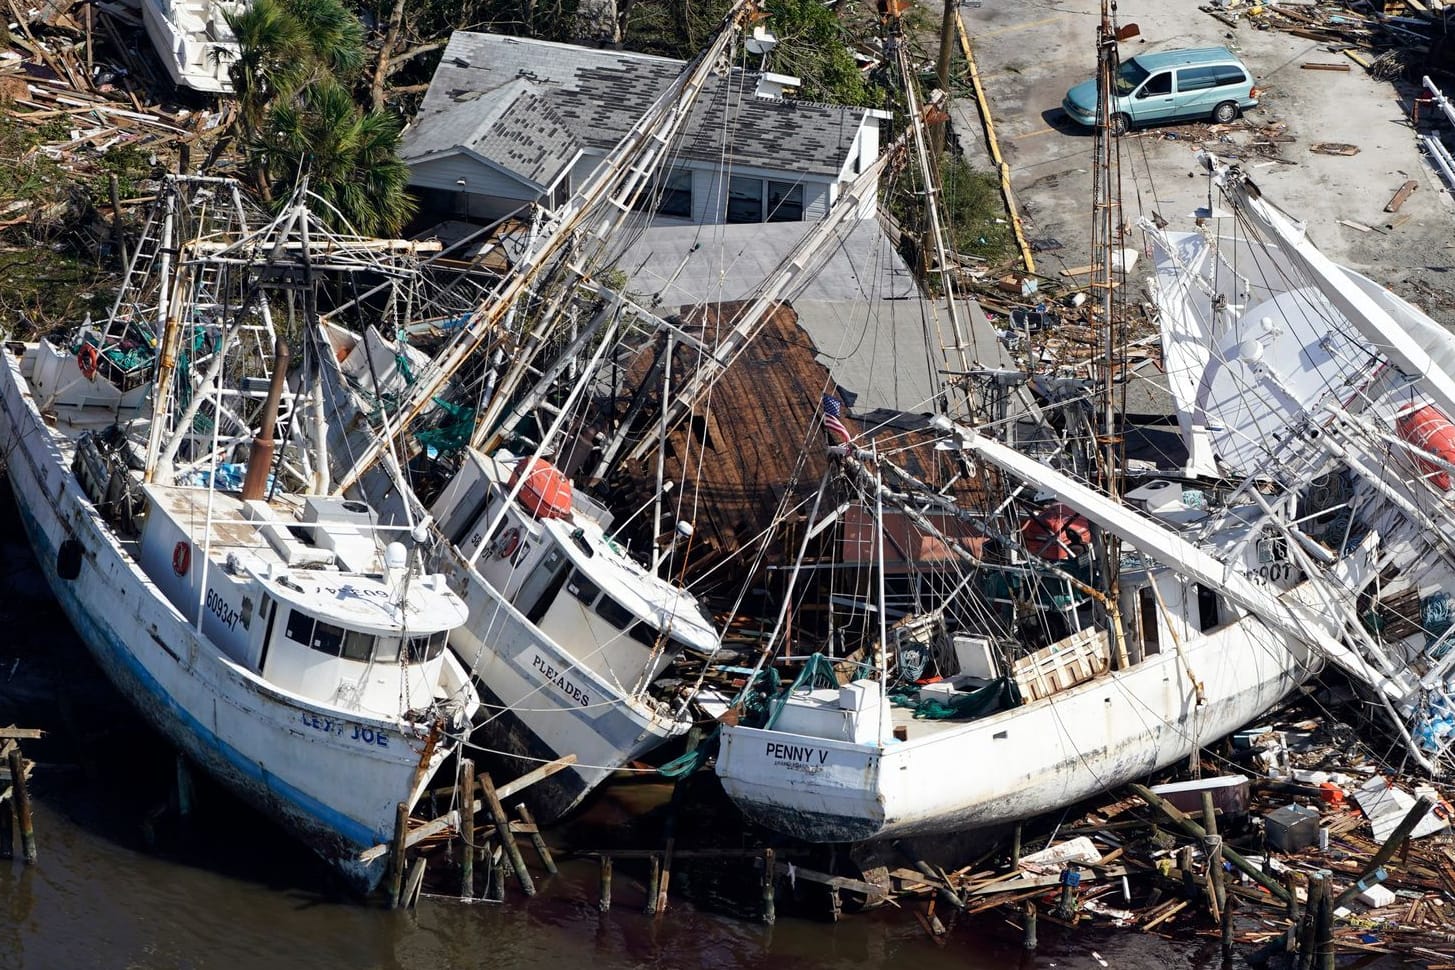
(280, 638)
(567, 629)
(1331, 398)
(1022, 634)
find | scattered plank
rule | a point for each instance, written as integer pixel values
(1405, 191)
(1333, 148)
(1325, 66)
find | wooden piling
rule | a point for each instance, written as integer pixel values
(1386, 852)
(1015, 849)
(414, 883)
(770, 913)
(1324, 957)
(1209, 814)
(1211, 881)
(604, 902)
(694, 738)
(184, 787)
(654, 869)
(1029, 942)
(396, 858)
(7, 830)
(537, 840)
(1226, 926)
(1308, 929)
(1197, 831)
(467, 828)
(507, 839)
(20, 793)
(117, 239)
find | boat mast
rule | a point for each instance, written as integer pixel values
(930, 181)
(620, 179)
(171, 330)
(1106, 229)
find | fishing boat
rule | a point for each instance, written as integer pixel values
(1013, 629)
(282, 639)
(1330, 398)
(569, 631)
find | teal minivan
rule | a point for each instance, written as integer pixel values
(1181, 85)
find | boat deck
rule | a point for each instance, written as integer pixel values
(215, 520)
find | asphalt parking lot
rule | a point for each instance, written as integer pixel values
(1030, 53)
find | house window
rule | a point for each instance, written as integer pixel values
(675, 194)
(763, 200)
(785, 201)
(745, 200)
(670, 194)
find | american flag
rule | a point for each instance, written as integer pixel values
(831, 411)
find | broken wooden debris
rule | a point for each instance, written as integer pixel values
(1404, 192)
(1333, 148)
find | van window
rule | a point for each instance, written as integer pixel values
(1230, 74)
(1160, 84)
(1197, 78)
(1130, 75)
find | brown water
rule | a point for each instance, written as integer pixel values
(123, 882)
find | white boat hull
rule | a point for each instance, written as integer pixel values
(1014, 764)
(538, 703)
(333, 783)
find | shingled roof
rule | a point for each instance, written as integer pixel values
(595, 96)
(517, 131)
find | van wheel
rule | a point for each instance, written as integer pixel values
(1119, 124)
(1225, 112)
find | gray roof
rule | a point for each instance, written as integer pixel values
(518, 131)
(599, 94)
(861, 308)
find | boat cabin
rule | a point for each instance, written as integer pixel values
(551, 557)
(310, 598)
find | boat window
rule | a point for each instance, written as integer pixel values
(1151, 632)
(745, 199)
(644, 634)
(358, 646)
(1207, 607)
(614, 613)
(582, 588)
(327, 638)
(300, 627)
(785, 202)
(427, 647)
(386, 650)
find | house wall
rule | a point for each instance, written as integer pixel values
(709, 189)
(484, 194)
(489, 193)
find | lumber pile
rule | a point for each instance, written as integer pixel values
(78, 83)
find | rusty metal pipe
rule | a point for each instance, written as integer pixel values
(260, 457)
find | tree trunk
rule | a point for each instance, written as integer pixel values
(598, 22)
(381, 70)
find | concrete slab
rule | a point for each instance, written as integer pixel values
(1029, 54)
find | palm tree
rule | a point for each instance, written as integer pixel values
(274, 58)
(351, 157)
